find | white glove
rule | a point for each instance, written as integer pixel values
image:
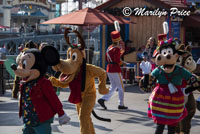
(64, 119)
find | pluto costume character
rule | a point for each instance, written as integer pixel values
(166, 103)
(80, 77)
(186, 60)
(38, 100)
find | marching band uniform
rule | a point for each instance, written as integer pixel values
(114, 72)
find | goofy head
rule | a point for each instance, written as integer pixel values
(168, 53)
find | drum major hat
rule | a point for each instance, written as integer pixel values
(115, 35)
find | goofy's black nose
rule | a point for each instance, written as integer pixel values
(14, 67)
(168, 56)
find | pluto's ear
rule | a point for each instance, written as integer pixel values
(50, 55)
(188, 48)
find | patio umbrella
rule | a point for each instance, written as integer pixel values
(87, 17)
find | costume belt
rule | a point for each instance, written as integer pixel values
(112, 63)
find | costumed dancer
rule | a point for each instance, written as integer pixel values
(186, 61)
(166, 103)
(80, 77)
(15, 89)
(114, 71)
(38, 101)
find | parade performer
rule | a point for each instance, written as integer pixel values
(166, 103)
(80, 77)
(114, 71)
(38, 100)
(15, 90)
(186, 60)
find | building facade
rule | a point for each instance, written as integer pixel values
(151, 24)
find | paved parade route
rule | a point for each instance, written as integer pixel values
(131, 121)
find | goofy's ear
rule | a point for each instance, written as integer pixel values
(50, 55)
(188, 48)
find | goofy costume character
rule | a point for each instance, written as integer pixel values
(166, 103)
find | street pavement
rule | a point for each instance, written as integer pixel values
(131, 121)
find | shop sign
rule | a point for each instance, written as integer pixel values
(175, 29)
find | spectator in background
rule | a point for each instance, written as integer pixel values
(3, 49)
(150, 47)
(3, 52)
(31, 44)
(128, 48)
(21, 29)
(145, 65)
(139, 53)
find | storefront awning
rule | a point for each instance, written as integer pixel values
(192, 21)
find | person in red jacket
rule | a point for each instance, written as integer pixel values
(38, 100)
(114, 71)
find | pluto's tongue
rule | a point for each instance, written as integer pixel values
(63, 77)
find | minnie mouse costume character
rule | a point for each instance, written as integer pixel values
(166, 103)
(38, 100)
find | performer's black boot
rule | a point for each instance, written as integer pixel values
(122, 107)
(101, 102)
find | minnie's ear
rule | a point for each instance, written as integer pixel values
(50, 55)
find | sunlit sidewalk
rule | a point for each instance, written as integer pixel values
(132, 121)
